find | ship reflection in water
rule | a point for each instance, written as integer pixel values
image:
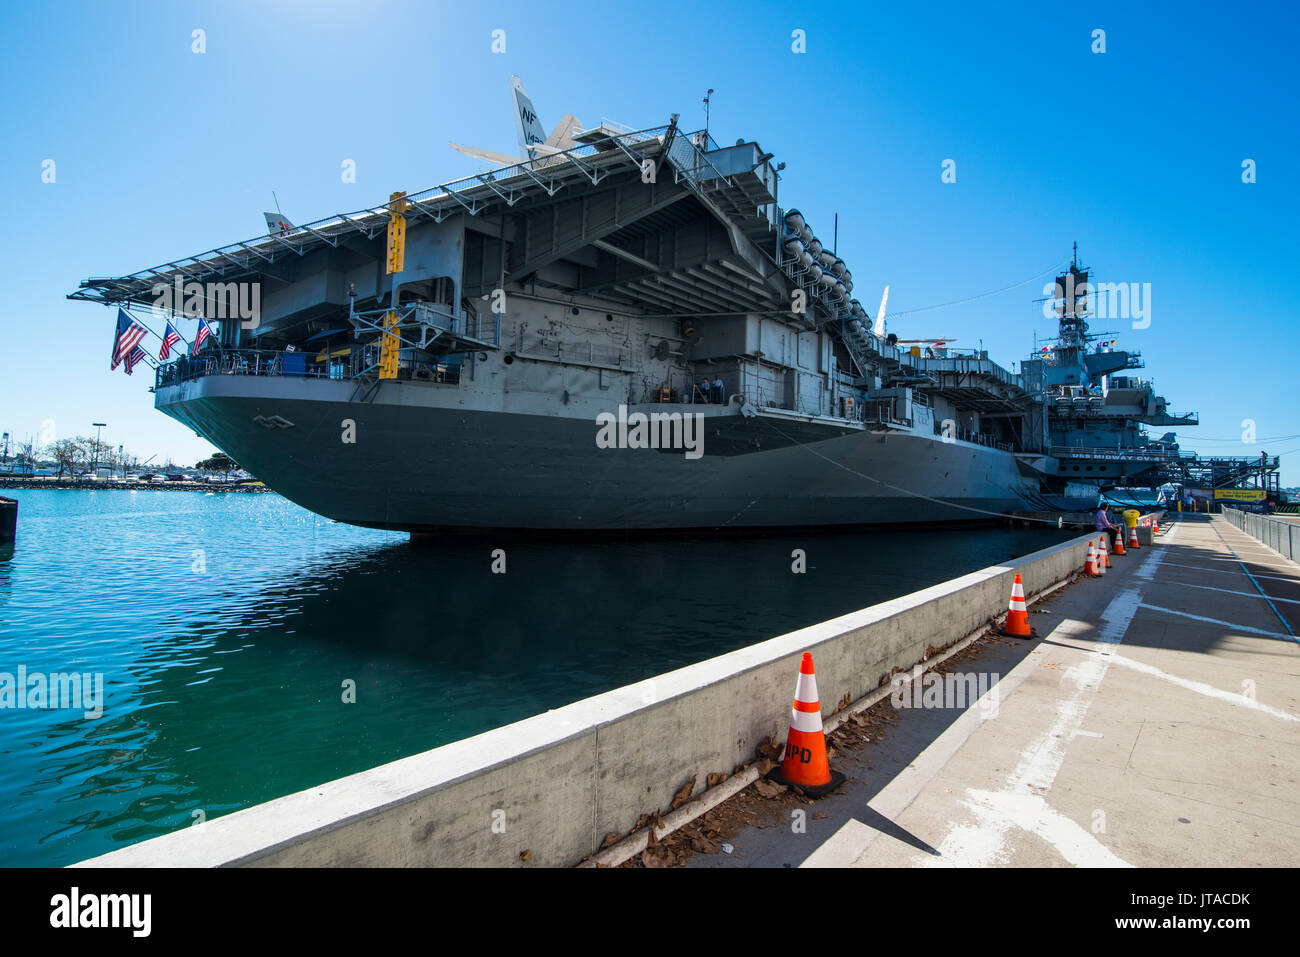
(227, 629)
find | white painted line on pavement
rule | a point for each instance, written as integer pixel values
(1217, 621)
(1020, 803)
(1201, 687)
(1231, 591)
(1234, 571)
(1033, 814)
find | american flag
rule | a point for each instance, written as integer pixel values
(201, 336)
(132, 357)
(170, 339)
(129, 334)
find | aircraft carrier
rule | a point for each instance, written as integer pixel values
(617, 330)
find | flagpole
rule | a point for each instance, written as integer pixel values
(178, 334)
(145, 326)
(150, 360)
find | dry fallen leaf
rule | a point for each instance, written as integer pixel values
(525, 855)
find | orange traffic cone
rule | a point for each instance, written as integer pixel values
(1017, 625)
(1119, 542)
(1090, 565)
(805, 765)
(1133, 538)
(1155, 525)
(1103, 561)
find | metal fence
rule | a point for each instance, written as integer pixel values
(1278, 534)
(968, 435)
(256, 362)
(266, 362)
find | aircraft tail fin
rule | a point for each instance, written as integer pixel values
(277, 223)
(561, 137)
(528, 128)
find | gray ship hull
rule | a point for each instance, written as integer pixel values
(420, 463)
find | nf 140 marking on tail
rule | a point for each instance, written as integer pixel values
(533, 141)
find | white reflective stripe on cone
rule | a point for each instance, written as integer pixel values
(1017, 604)
(806, 689)
(805, 720)
(1018, 590)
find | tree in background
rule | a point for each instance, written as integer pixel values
(221, 462)
(26, 457)
(68, 454)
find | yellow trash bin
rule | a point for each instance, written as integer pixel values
(1131, 516)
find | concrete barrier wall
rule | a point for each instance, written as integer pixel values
(1145, 536)
(1280, 535)
(555, 785)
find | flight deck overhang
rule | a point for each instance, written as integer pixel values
(472, 195)
(682, 242)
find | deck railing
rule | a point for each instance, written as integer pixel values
(358, 363)
(1278, 534)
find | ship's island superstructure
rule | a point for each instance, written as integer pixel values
(479, 355)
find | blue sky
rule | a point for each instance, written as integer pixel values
(1135, 153)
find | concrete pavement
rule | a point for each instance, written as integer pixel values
(1155, 723)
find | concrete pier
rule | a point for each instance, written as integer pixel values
(551, 789)
(1156, 723)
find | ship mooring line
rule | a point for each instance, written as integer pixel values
(905, 491)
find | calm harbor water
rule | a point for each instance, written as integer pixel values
(226, 625)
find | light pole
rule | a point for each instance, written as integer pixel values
(706, 119)
(94, 467)
(6, 459)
